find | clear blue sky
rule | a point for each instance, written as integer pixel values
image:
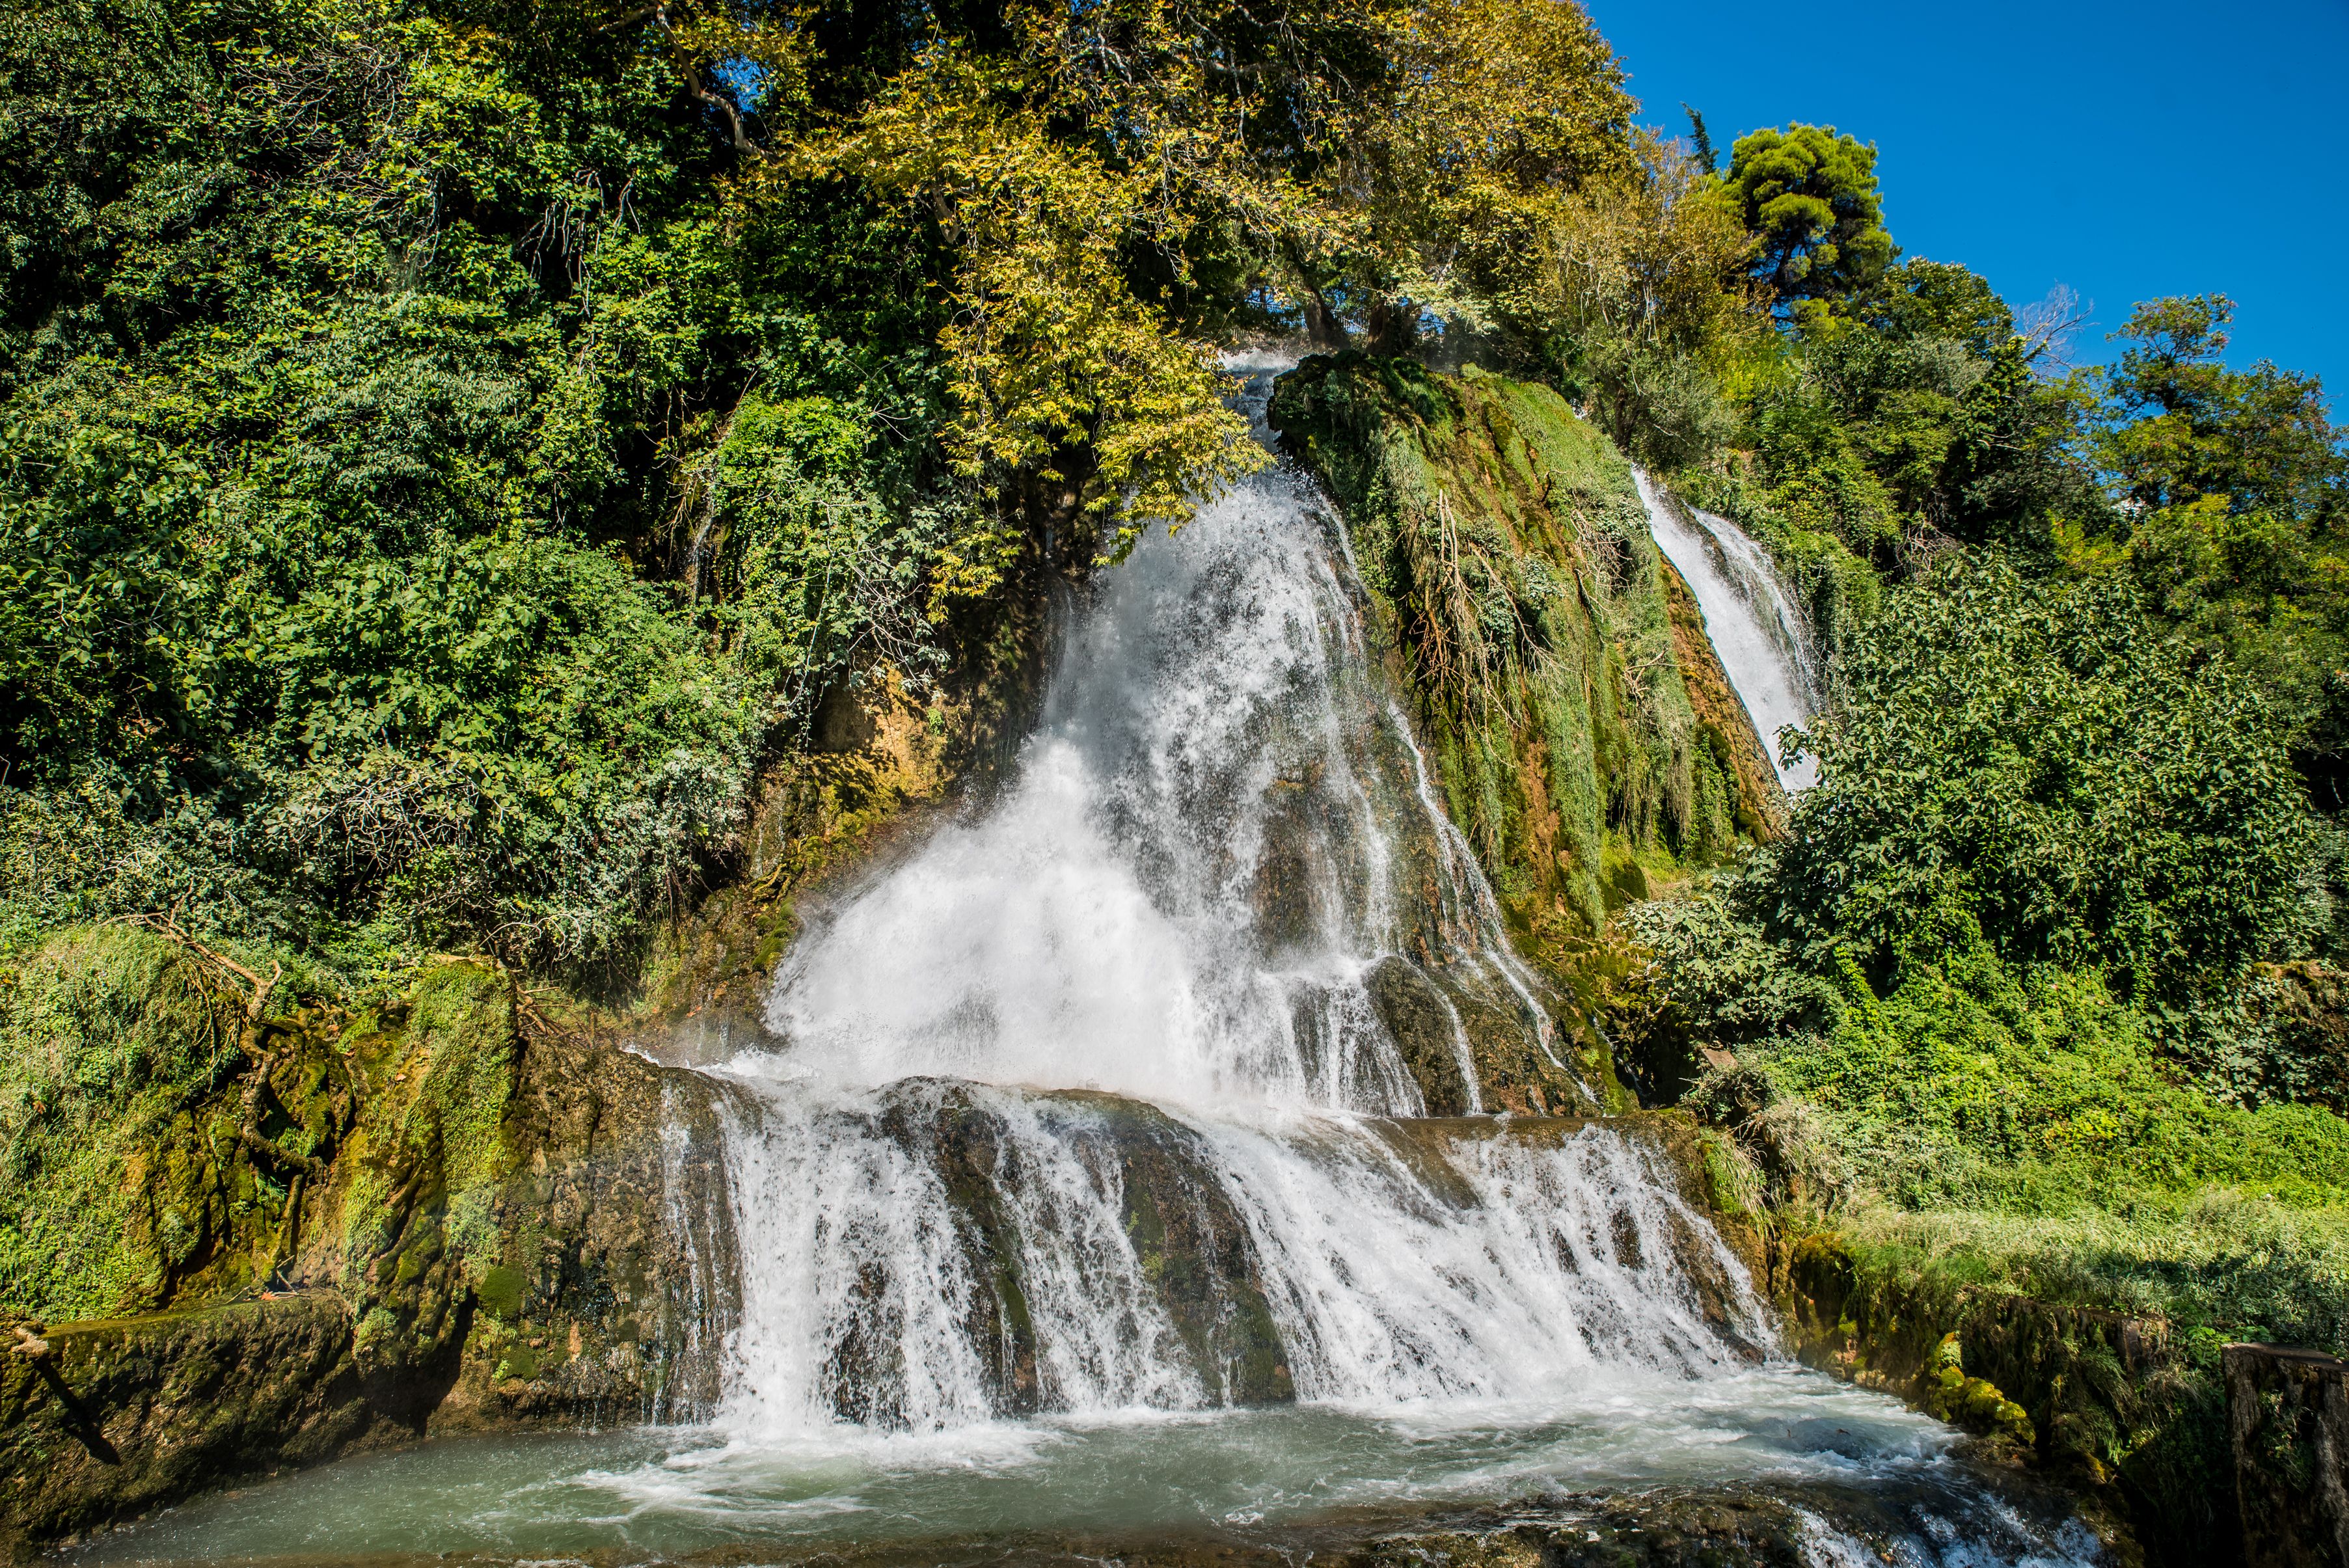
(2128, 151)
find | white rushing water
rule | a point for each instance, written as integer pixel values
(1180, 908)
(1755, 631)
(1220, 827)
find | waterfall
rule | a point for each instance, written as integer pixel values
(1082, 1186)
(1095, 1100)
(1754, 629)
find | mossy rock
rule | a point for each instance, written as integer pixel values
(2125, 1409)
(124, 1055)
(123, 1415)
(1609, 743)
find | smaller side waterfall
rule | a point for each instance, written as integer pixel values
(1755, 629)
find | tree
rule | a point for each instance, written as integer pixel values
(1809, 196)
(2181, 428)
(2233, 492)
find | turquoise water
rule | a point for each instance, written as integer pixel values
(653, 1494)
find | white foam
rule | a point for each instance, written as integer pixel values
(1754, 629)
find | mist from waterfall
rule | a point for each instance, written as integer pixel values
(1755, 631)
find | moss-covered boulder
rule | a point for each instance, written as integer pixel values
(154, 1134)
(242, 1239)
(102, 1420)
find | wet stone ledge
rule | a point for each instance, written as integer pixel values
(2287, 1419)
(100, 1422)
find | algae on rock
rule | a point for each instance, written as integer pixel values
(125, 1185)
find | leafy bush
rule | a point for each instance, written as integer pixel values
(2019, 948)
(2037, 760)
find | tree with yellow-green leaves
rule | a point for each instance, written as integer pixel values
(373, 370)
(1809, 195)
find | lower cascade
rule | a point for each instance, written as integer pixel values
(935, 1253)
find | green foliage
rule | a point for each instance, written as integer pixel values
(1969, 1086)
(1963, 1082)
(1910, 408)
(447, 449)
(329, 573)
(2036, 762)
(2233, 487)
(2015, 952)
(1809, 196)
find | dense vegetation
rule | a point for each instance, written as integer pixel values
(451, 446)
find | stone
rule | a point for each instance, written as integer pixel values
(2288, 1420)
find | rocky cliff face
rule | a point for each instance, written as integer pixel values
(1587, 740)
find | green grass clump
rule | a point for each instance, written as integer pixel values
(1973, 1085)
(2218, 1263)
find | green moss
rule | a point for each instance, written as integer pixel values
(1507, 559)
(462, 1018)
(500, 1289)
(1974, 1403)
(120, 1180)
(1584, 753)
(519, 1361)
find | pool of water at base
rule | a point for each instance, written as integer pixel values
(667, 1494)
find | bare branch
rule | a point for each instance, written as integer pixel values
(2046, 328)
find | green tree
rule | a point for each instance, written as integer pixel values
(1809, 196)
(1914, 407)
(2233, 492)
(371, 368)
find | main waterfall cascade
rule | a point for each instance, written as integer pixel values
(1756, 633)
(1080, 1106)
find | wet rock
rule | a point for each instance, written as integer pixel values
(1191, 1245)
(124, 1415)
(2287, 1417)
(1424, 1031)
(517, 1225)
